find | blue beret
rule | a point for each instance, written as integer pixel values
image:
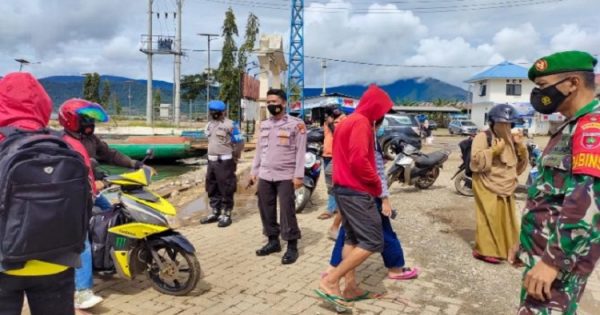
(217, 106)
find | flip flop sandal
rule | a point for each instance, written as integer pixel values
(367, 295)
(334, 301)
(487, 259)
(325, 216)
(408, 274)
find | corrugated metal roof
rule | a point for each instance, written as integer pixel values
(505, 70)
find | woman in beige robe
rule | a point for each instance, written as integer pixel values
(495, 172)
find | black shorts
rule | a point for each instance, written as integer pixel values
(360, 218)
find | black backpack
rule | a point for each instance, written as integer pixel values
(45, 198)
(465, 150)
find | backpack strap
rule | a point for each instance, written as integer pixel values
(8, 131)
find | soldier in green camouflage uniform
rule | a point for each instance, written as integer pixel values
(560, 228)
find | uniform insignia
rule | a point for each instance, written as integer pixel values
(284, 137)
(586, 146)
(546, 100)
(591, 140)
(302, 128)
(541, 65)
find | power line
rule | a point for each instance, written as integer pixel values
(395, 10)
(384, 65)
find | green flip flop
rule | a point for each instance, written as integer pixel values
(333, 300)
(367, 295)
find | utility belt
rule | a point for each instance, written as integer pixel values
(215, 158)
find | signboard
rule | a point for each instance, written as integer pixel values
(250, 87)
(324, 101)
(250, 109)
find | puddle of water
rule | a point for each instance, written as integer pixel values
(193, 209)
(197, 208)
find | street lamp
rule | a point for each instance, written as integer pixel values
(209, 78)
(22, 62)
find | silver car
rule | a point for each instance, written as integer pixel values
(462, 127)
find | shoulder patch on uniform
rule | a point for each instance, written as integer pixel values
(586, 146)
(302, 128)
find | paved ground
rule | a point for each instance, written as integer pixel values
(436, 227)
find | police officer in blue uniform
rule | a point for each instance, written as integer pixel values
(225, 146)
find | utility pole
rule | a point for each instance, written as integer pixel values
(178, 64)
(149, 109)
(209, 77)
(129, 97)
(324, 67)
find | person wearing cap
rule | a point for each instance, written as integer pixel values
(560, 227)
(497, 159)
(278, 168)
(224, 150)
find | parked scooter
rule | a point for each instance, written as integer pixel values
(312, 167)
(136, 237)
(412, 167)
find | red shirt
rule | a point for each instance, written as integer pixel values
(354, 145)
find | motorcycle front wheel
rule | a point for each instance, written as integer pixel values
(302, 197)
(460, 183)
(180, 272)
(426, 181)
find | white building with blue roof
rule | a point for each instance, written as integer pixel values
(505, 83)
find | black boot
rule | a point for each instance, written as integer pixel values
(291, 254)
(225, 219)
(211, 218)
(271, 247)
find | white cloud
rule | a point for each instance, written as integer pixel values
(73, 37)
(572, 37)
(519, 42)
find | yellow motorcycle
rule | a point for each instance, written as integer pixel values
(135, 237)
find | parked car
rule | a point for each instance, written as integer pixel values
(462, 127)
(403, 126)
(433, 125)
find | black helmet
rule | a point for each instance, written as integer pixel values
(503, 113)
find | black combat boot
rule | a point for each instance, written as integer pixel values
(211, 218)
(271, 247)
(225, 219)
(291, 254)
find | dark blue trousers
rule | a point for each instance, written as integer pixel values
(393, 256)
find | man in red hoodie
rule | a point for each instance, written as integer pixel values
(48, 285)
(356, 185)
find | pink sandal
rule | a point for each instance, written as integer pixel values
(487, 259)
(407, 274)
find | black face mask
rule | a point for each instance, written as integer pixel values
(275, 109)
(546, 101)
(216, 115)
(87, 128)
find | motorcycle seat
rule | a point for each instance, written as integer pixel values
(431, 159)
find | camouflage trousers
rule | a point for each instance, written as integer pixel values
(566, 291)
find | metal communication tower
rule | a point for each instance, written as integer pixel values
(295, 86)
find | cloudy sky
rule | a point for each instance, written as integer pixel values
(452, 39)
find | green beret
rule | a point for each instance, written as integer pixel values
(566, 61)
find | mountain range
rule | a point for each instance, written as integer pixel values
(413, 89)
(61, 88)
